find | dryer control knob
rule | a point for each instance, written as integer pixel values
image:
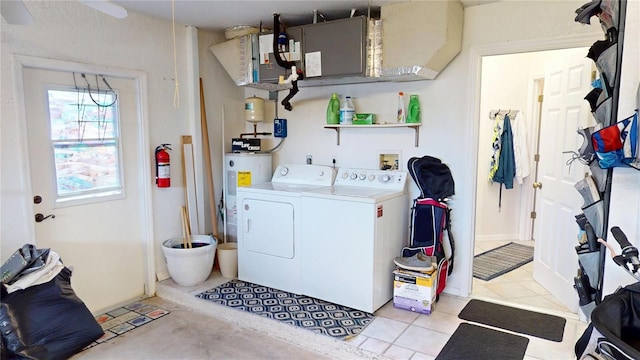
(354, 176)
(372, 177)
(363, 176)
(345, 175)
(321, 173)
(284, 171)
(385, 178)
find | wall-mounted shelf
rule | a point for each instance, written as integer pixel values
(414, 126)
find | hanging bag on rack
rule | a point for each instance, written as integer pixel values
(604, 54)
(616, 145)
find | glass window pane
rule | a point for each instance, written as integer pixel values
(84, 137)
(79, 114)
(86, 167)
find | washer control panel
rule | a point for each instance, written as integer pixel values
(304, 174)
(381, 179)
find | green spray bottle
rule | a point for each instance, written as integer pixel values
(413, 111)
(333, 110)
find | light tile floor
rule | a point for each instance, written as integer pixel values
(517, 286)
(400, 334)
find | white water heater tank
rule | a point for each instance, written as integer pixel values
(254, 109)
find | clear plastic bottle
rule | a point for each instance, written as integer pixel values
(347, 111)
(413, 112)
(401, 113)
(333, 110)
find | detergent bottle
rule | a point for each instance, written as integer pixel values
(333, 110)
(413, 111)
(347, 111)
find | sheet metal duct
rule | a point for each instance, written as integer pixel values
(420, 38)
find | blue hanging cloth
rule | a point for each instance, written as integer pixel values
(507, 162)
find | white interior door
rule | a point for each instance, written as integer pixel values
(564, 110)
(99, 235)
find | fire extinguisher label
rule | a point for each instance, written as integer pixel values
(164, 171)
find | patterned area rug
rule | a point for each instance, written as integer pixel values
(312, 314)
(129, 317)
(495, 262)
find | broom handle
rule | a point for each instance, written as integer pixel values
(207, 162)
(186, 232)
(184, 228)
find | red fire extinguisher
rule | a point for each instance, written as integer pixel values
(163, 173)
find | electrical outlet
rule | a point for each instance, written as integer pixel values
(309, 159)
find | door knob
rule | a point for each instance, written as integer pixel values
(40, 217)
(37, 199)
(537, 185)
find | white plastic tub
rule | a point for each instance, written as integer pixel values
(228, 259)
(190, 266)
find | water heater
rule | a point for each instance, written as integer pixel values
(241, 169)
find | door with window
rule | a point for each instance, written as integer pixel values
(83, 133)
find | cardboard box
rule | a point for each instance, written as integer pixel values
(414, 291)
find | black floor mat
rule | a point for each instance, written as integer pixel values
(545, 326)
(480, 343)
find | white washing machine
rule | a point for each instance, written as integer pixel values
(240, 170)
(351, 233)
(269, 225)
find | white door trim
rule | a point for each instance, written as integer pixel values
(476, 52)
(19, 63)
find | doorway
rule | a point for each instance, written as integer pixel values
(513, 82)
(93, 186)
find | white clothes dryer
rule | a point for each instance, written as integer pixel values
(351, 233)
(269, 225)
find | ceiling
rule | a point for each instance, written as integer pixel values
(221, 14)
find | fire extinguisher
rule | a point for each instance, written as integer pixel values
(163, 173)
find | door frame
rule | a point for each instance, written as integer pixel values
(21, 62)
(476, 52)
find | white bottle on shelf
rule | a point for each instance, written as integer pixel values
(346, 111)
(401, 117)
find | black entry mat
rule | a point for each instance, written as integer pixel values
(480, 343)
(545, 326)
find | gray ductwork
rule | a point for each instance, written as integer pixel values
(413, 40)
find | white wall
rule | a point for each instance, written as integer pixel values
(507, 83)
(69, 31)
(447, 105)
(220, 93)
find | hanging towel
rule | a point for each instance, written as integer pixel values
(506, 164)
(495, 145)
(520, 148)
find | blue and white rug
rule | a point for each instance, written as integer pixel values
(312, 314)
